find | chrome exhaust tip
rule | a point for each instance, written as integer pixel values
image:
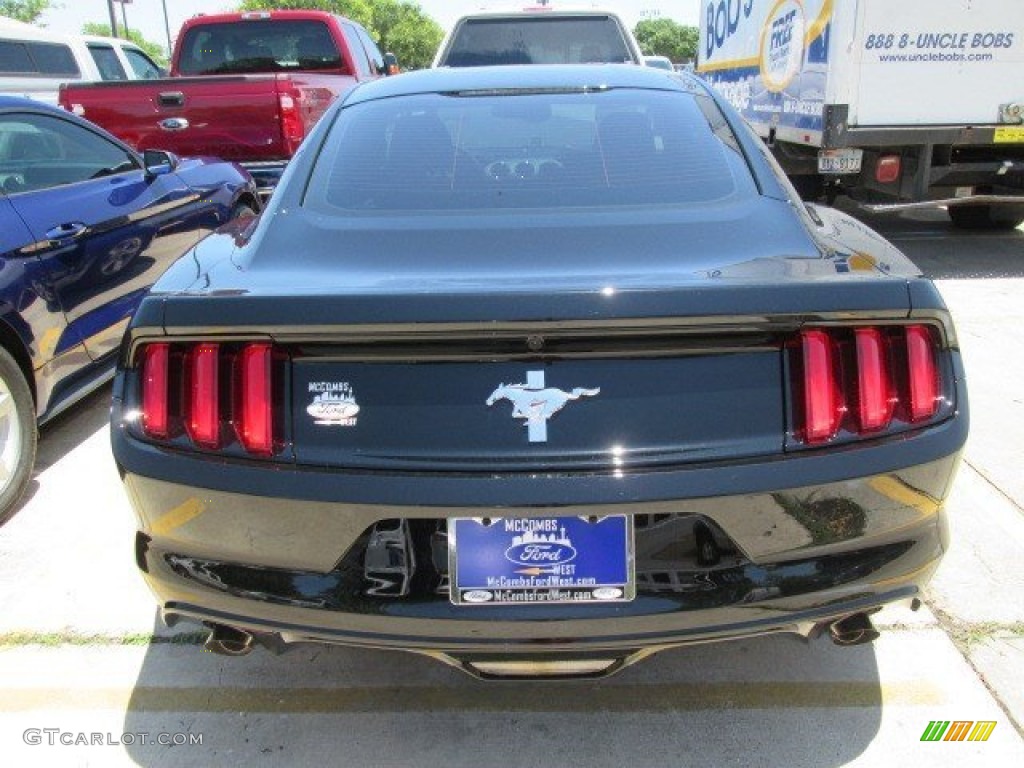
(853, 630)
(228, 641)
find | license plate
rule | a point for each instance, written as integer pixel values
(840, 160)
(523, 561)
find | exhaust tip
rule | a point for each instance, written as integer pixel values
(853, 630)
(228, 641)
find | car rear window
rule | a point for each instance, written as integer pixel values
(535, 150)
(43, 59)
(537, 40)
(263, 45)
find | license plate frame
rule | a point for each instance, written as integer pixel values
(541, 560)
(837, 162)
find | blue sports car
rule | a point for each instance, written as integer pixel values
(87, 225)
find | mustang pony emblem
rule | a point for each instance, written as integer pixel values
(536, 403)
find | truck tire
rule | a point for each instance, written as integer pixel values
(17, 435)
(987, 216)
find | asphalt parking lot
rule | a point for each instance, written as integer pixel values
(82, 654)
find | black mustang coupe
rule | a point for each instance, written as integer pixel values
(538, 371)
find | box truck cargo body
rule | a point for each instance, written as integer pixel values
(897, 104)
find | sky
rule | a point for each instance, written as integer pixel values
(147, 16)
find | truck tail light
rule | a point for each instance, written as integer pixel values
(849, 383)
(218, 397)
(293, 129)
(887, 169)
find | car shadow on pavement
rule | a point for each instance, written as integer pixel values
(765, 701)
(64, 434)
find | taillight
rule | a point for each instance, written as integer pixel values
(293, 130)
(254, 406)
(203, 402)
(155, 400)
(854, 382)
(924, 376)
(822, 404)
(875, 397)
(887, 169)
(213, 396)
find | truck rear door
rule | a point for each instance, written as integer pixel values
(233, 117)
(938, 62)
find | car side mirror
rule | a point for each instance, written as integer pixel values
(390, 64)
(157, 162)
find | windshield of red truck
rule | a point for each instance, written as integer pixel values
(537, 40)
(265, 45)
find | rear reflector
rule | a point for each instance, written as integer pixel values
(924, 379)
(822, 407)
(876, 399)
(254, 421)
(155, 364)
(203, 405)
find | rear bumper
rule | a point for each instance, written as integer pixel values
(266, 174)
(793, 560)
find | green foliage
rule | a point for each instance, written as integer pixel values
(664, 37)
(23, 10)
(398, 26)
(155, 50)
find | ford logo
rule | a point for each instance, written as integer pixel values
(478, 596)
(174, 124)
(540, 553)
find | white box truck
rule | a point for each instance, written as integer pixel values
(896, 103)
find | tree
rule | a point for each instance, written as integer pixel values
(664, 37)
(398, 26)
(155, 50)
(23, 10)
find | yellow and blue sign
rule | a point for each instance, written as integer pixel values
(769, 58)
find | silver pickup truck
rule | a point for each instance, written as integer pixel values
(538, 36)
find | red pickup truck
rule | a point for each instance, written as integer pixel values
(246, 87)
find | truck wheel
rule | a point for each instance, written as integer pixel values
(987, 216)
(17, 435)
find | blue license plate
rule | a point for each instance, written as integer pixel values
(531, 560)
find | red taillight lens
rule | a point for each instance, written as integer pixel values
(254, 418)
(203, 403)
(822, 405)
(876, 399)
(855, 382)
(887, 169)
(155, 377)
(923, 374)
(293, 131)
(216, 392)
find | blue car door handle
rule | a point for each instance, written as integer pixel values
(67, 231)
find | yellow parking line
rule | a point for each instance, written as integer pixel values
(178, 516)
(505, 697)
(900, 492)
